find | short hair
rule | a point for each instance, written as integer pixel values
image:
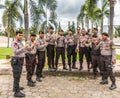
(105, 33)
(32, 34)
(78, 28)
(61, 30)
(70, 30)
(95, 29)
(94, 36)
(51, 28)
(18, 32)
(41, 32)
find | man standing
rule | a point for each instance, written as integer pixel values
(83, 39)
(17, 62)
(60, 49)
(95, 54)
(31, 59)
(50, 38)
(70, 41)
(76, 37)
(41, 48)
(108, 58)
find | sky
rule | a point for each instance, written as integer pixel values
(68, 10)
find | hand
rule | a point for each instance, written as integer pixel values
(35, 44)
(46, 43)
(26, 46)
(114, 61)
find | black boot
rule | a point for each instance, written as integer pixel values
(31, 84)
(38, 79)
(104, 82)
(113, 86)
(65, 68)
(19, 94)
(20, 88)
(80, 67)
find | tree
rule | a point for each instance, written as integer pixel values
(10, 16)
(101, 12)
(49, 8)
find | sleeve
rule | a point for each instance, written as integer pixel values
(29, 48)
(39, 46)
(16, 49)
(113, 48)
(48, 38)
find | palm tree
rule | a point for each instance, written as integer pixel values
(86, 12)
(99, 13)
(48, 7)
(112, 2)
(10, 16)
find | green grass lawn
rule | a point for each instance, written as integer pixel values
(7, 51)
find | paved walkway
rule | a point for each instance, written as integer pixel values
(62, 84)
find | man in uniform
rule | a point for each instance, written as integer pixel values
(31, 59)
(41, 48)
(76, 37)
(108, 58)
(50, 38)
(83, 49)
(70, 41)
(95, 54)
(17, 62)
(60, 49)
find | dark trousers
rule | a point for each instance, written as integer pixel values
(71, 55)
(95, 63)
(50, 55)
(41, 63)
(106, 68)
(75, 57)
(60, 51)
(84, 51)
(16, 64)
(30, 65)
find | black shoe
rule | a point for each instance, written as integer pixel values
(80, 68)
(104, 82)
(94, 77)
(74, 68)
(88, 70)
(64, 68)
(42, 76)
(38, 79)
(19, 94)
(112, 87)
(31, 84)
(33, 81)
(20, 88)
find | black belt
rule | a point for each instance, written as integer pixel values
(106, 55)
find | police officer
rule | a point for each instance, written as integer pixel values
(31, 59)
(108, 58)
(51, 38)
(83, 39)
(95, 54)
(41, 48)
(60, 49)
(76, 37)
(17, 62)
(70, 41)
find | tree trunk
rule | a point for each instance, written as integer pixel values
(8, 40)
(26, 19)
(111, 18)
(102, 24)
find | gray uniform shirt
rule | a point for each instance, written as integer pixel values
(76, 37)
(50, 38)
(69, 40)
(107, 48)
(30, 49)
(18, 48)
(41, 46)
(60, 41)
